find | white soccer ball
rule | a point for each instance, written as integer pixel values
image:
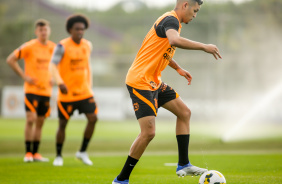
(212, 177)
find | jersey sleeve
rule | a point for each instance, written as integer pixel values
(167, 23)
(171, 23)
(58, 54)
(22, 51)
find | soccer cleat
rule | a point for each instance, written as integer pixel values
(189, 170)
(120, 182)
(83, 157)
(38, 158)
(58, 161)
(28, 157)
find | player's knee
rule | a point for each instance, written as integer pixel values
(93, 119)
(149, 135)
(62, 124)
(39, 122)
(29, 123)
(30, 120)
(186, 114)
(62, 127)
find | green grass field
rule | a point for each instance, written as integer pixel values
(245, 162)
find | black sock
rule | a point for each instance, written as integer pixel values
(27, 146)
(127, 168)
(84, 144)
(59, 147)
(183, 144)
(35, 146)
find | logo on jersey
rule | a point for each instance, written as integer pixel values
(136, 106)
(42, 61)
(163, 88)
(35, 103)
(153, 84)
(77, 64)
(78, 93)
(69, 108)
(169, 53)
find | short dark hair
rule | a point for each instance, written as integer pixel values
(200, 2)
(76, 18)
(41, 22)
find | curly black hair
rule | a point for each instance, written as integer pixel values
(76, 18)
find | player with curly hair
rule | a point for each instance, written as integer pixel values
(71, 70)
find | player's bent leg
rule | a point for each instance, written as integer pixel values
(81, 154)
(91, 122)
(147, 126)
(30, 119)
(60, 138)
(183, 114)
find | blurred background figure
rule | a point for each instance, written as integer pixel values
(37, 85)
(70, 68)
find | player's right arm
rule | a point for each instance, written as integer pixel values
(176, 40)
(56, 58)
(12, 61)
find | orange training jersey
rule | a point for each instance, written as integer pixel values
(74, 69)
(37, 58)
(152, 58)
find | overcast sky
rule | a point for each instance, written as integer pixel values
(106, 4)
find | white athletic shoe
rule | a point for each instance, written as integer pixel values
(189, 170)
(83, 156)
(58, 161)
(38, 158)
(28, 157)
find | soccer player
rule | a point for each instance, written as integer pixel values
(70, 68)
(148, 92)
(37, 54)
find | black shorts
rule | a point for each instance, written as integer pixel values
(146, 103)
(38, 104)
(86, 106)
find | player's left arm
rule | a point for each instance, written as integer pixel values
(176, 40)
(181, 71)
